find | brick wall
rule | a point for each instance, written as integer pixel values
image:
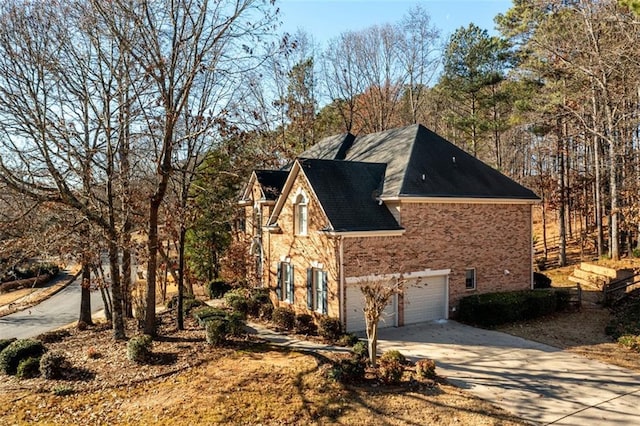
(304, 250)
(493, 238)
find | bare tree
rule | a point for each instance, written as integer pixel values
(377, 294)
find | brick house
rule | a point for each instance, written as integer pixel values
(400, 203)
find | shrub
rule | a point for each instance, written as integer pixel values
(238, 301)
(284, 318)
(266, 312)
(53, 365)
(541, 280)
(216, 330)
(11, 356)
(348, 339)
(235, 323)
(92, 353)
(139, 348)
(426, 368)
(54, 336)
(492, 309)
(360, 350)
(305, 324)
(539, 304)
(630, 341)
(206, 312)
(393, 356)
(330, 328)
(28, 368)
(563, 297)
(348, 370)
(189, 303)
(390, 371)
(63, 390)
(261, 296)
(6, 342)
(217, 288)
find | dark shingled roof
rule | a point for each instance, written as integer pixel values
(413, 151)
(348, 193)
(271, 182)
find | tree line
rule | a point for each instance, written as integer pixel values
(128, 127)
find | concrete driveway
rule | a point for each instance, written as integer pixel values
(539, 383)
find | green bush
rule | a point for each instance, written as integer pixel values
(203, 313)
(28, 368)
(305, 324)
(63, 390)
(630, 341)
(217, 288)
(350, 370)
(11, 356)
(54, 336)
(284, 318)
(235, 323)
(139, 348)
(426, 368)
(360, 350)
(53, 365)
(348, 339)
(189, 303)
(266, 312)
(563, 297)
(539, 304)
(330, 328)
(238, 301)
(390, 371)
(216, 330)
(6, 342)
(491, 309)
(393, 356)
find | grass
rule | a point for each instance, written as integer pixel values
(253, 387)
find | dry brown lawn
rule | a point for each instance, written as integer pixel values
(250, 382)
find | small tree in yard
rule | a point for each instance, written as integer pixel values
(377, 294)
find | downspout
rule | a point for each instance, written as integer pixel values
(341, 278)
(532, 248)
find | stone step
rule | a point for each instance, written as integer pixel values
(605, 271)
(585, 283)
(591, 276)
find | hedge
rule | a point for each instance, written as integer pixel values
(491, 309)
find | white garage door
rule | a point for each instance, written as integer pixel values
(355, 314)
(425, 299)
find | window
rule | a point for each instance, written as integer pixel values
(470, 279)
(317, 290)
(300, 213)
(284, 285)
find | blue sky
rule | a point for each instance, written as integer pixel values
(325, 19)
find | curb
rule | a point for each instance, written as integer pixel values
(39, 295)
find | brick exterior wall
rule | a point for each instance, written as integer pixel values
(492, 238)
(304, 250)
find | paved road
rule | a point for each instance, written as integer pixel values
(538, 383)
(61, 309)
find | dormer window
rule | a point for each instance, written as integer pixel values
(300, 206)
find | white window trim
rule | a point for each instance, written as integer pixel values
(304, 201)
(475, 279)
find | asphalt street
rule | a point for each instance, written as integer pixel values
(59, 310)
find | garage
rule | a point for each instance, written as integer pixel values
(425, 299)
(355, 313)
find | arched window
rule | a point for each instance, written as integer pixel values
(300, 214)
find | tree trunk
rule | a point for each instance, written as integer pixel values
(179, 316)
(85, 295)
(562, 243)
(372, 339)
(116, 290)
(152, 266)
